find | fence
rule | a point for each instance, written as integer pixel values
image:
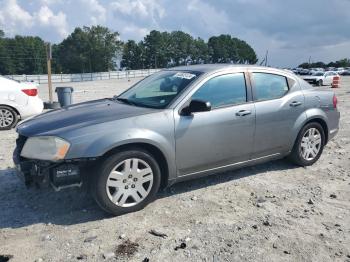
(64, 78)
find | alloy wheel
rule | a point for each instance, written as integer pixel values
(311, 144)
(6, 118)
(129, 182)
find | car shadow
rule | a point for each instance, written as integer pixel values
(22, 207)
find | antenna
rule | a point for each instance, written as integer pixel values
(264, 61)
(266, 55)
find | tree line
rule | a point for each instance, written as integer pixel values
(97, 49)
(164, 49)
(340, 63)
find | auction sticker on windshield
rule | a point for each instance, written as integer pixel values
(184, 75)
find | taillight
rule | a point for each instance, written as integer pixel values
(30, 92)
(335, 101)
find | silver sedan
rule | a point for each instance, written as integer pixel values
(177, 124)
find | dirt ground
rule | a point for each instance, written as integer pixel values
(271, 212)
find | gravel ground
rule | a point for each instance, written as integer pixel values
(271, 212)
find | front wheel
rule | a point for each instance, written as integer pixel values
(320, 83)
(309, 145)
(126, 181)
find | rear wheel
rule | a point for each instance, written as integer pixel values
(8, 118)
(309, 145)
(126, 181)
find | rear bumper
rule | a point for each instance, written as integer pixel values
(334, 125)
(34, 107)
(332, 133)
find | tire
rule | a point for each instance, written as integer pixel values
(300, 148)
(8, 118)
(320, 83)
(121, 192)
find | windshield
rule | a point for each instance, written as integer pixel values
(159, 89)
(318, 74)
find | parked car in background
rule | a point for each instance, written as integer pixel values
(320, 78)
(304, 71)
(18, 100)
(315, 70)
(340, 70)
(345, 72)
(331, 69)
(174, 125)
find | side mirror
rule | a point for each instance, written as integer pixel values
(196, 106)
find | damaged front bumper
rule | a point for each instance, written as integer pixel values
(60, 175)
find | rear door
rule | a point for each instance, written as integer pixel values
(279, 105)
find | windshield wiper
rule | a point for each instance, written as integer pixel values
(124, 100)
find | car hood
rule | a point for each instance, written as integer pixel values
(79, 115)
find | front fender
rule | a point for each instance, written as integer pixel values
(132, 136)
(96, 140)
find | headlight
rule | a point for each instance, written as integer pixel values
(45, 148)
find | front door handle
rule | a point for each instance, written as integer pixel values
(295, 103)
(243, 113)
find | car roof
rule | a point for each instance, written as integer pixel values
(205, 68)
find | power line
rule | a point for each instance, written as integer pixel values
(23, 58)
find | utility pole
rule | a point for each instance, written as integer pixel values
(309, 61)
(49, 58)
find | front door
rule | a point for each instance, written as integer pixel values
(222, 136)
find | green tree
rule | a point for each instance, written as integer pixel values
(345, 62)
(22, 55)
(88, 49)
(200, 52)
(133, 55)
(225, 49)
(94, 49)
(180, 48)
(156, 45)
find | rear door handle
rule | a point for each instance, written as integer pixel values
(295, 103)
(243, 113)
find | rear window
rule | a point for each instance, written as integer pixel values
(269, 86)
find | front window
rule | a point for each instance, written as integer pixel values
(224, 90)
(159, 89)
(318, 74)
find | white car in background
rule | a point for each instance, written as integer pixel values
(321, 78)
(340, 70)
(18, 100)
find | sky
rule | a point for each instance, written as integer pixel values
(291, 31)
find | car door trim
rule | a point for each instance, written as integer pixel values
(253, 86)
(229, 165)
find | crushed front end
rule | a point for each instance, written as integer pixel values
(59, 174)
